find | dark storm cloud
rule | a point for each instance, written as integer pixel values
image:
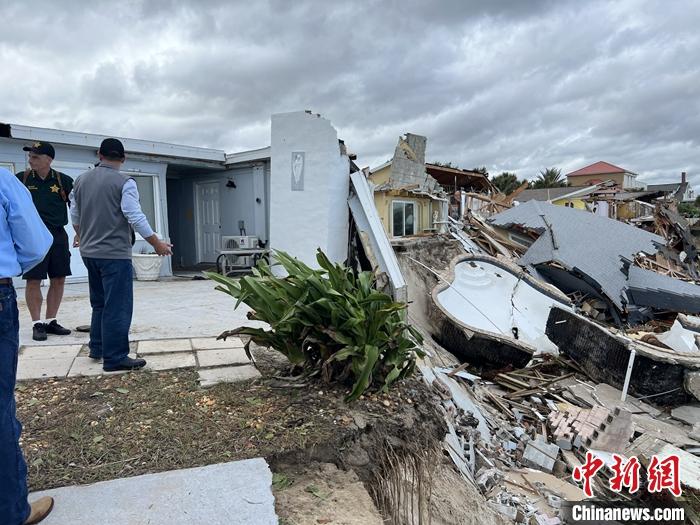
(508, 84)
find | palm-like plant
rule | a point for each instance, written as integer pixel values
(328, 320)
(506, 182)
(549, 178)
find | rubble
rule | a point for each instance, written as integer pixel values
(605, 356)
(574, 333)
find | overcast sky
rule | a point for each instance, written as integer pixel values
(516, 85)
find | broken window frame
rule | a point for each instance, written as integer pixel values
(414, 225)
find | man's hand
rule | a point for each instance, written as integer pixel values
(76, 241)
(160, 247)
(163, 248)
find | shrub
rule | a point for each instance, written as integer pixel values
(329, 320)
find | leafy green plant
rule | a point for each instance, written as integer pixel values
(328, 320)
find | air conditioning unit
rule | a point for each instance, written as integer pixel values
(239, 242)
(247, 242)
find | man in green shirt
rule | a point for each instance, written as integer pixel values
(49, 189)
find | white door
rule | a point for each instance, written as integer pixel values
(208, 222)
(77, 268)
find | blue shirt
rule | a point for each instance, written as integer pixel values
(131, 208)
(24, 240)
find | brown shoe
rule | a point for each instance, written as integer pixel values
(40, 509)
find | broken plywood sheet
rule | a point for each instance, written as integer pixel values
(582, 393)
(689, 414)
(609, 397)
(533, 484)
(459, 394)
(657, 429)
(647, 446)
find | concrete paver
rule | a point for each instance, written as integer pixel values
(206, 343)
(170, 361)
(222, 357)
(228, 374)
(50, 352)
(85, 366)
(41, 368)
(237, 492)
(162, 346)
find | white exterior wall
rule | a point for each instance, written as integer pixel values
(317, 216)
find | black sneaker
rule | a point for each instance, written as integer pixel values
(126, 364)
(56, 329)
(39, 332)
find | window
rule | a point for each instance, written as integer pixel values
(404, 218)
(8, 166)
(147, 186)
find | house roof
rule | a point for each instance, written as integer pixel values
(599, 168)
(544, 194)
(448, 176)
(91, 140)
(670, 187)
(555, 194)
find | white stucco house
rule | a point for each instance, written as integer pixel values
(291, 195)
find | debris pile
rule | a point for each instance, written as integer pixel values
(519, 434)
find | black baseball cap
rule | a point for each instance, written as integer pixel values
(41, 148)
(112, 148)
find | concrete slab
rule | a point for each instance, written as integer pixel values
(238, 492)
(43, 368)
(170, 361)
(206, 343)
(50, 352)
(689, 414)
(162, 310)
(222, 357)
(228, 374)
(84, 366)
(163, 346)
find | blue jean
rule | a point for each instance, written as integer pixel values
(14, 508)
(112, 301)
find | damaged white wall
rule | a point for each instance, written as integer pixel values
(489, 298)
(309, 187)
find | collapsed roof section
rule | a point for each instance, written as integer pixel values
(648, 288)
(589, 247)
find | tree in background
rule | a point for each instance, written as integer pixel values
(482, 170)
(506, 182)
(446, 165)
(549, 178)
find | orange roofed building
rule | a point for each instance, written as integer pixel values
(602, 171)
